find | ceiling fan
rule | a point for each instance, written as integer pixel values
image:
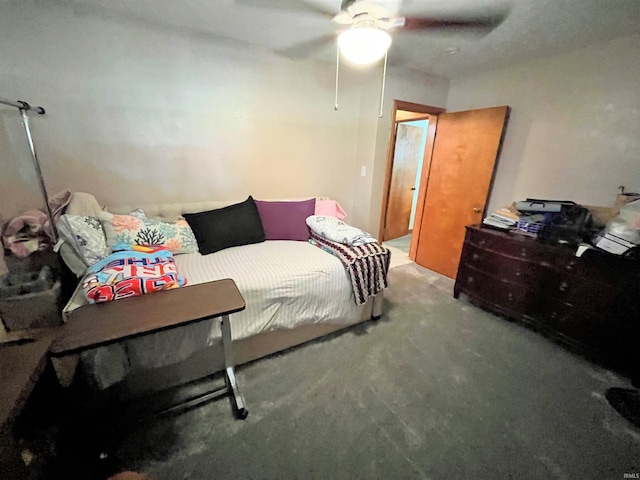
(370, 24)
(354, 11)
(367, 37)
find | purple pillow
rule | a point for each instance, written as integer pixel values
(286, 220)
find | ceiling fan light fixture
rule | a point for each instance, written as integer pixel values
(364, 45)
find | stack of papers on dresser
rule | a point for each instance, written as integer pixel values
(502, 218)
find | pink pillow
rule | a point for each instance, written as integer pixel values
(286, 220)
(331, 208)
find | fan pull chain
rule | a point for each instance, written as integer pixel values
(335, 105)
(384, 76)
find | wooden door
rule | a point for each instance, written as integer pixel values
(406, 157)
(462, 164)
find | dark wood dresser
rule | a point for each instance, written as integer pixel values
(590, 304)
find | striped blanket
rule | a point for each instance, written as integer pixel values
(367, 265)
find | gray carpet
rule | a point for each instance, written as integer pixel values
(436, 389)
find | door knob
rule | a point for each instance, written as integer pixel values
(413, 188)
(476, 210)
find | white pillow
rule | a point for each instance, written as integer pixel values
(85, 235)
(336, 230)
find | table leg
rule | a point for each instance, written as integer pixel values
(232, 384)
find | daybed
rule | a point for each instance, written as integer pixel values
(294, 292)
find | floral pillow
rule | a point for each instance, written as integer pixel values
(336, 230)
(177, 237)
(85, 235)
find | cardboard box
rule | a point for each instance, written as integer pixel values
(602, 215)
(613, 244)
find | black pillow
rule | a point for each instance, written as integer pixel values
(226, 227)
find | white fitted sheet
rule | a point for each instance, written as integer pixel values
(284, 283)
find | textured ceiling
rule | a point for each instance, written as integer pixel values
(532, 28)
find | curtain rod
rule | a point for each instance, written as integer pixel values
(22, 105)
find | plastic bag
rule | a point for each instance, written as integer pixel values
(626, 224)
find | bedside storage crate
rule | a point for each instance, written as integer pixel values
(30, 300)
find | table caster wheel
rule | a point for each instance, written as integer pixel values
(242, 413)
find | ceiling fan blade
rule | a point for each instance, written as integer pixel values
(345, 4)
(479, 23)
(293, 5)
(306, 49)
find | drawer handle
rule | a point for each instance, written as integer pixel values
(570, 266)
(564, 286)
(524, 252)
(483, 243)
(475, 256)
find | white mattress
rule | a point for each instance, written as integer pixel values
(284, 284)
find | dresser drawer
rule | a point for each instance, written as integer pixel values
(557, 286)
(570, 264)
(588, 329)
(539, 277)
(603, 268)
(557, 257)
(510, 245)
(504, 268)
(510, 297)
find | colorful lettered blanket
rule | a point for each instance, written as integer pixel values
(129, 271)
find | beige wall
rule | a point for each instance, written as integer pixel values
(574, 131)
(140, 114)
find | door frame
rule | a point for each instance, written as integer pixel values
(426, 164)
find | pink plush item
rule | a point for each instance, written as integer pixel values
(27, 233)
(331, 208)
